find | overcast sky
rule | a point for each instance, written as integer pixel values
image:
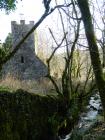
(31, 9)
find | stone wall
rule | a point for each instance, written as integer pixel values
(25, 116)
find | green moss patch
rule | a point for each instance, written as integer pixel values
(24, 116)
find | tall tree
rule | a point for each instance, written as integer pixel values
(93, 48)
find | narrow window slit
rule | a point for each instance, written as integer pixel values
(22, 59)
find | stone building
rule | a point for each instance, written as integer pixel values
(25, 65)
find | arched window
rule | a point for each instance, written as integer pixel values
(22, 59)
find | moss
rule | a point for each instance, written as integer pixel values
(24, 116)
(2, 88)
(101, 138)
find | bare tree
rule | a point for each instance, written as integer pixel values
(68, 91)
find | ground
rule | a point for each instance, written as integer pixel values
(97, 132)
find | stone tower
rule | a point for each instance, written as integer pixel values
(25, 65)
(19, 31)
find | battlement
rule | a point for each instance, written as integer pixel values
(22, 22)
(19, 29)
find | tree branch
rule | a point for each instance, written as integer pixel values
(18, 46)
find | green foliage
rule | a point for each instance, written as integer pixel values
(7, 45)
(8, 4)
(101, 138)
(54, 123)
(4, 88)
(57, 122)
(2, 53)
(74, 109)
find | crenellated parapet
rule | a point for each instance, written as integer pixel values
(19, 30)
(22, 22)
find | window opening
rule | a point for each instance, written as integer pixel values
(22, 59)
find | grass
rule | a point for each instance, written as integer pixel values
(42, 86)
(2, 88)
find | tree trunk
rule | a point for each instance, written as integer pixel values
(93, 48)
(103, 49)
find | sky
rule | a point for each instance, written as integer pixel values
(28, 10)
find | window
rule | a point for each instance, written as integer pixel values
(22, 59)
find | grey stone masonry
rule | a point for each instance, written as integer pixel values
(25, 65)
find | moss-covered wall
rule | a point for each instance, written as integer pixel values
(24, 116)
